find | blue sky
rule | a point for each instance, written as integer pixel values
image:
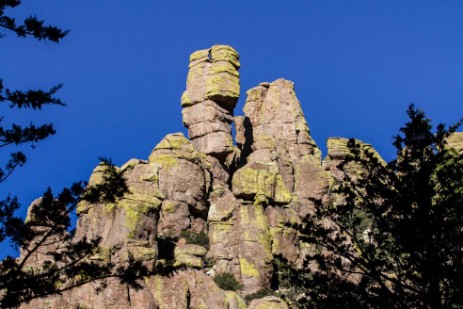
(356, 66)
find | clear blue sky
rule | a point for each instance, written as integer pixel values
(356, 66)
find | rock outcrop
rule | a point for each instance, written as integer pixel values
(456, 141)
(213, 89)
(210, 204)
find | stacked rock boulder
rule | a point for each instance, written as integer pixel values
(213, 89)
(242, 193)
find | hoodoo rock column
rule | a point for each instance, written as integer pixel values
(212, 90)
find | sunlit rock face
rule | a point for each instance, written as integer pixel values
(239, 195)
(339, 151)
(212, 90)
(456, 141)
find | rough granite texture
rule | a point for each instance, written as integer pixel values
(242, 193)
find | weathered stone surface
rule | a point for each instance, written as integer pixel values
(186, 289)
(245, 197)
(240, 138)
(233, 301)
(211, 95)
(261, 183)
(36, 257)
(189, 255)
(456, 141)
(283, 161)
(108, 293)
(213, 75)
(128, 226)
(184, 180)
(241, 244)
(284, 238)
(222, 209)
(338, 152)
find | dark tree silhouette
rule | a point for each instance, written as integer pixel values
(64, 262)
(393, 237)
(50, 261)
(17, 99)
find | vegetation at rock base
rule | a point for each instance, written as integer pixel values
(259, 294)
(410, 255)
(226, 281)
(200, 239)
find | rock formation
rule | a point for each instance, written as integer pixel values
(240, 195)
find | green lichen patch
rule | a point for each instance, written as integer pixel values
(218, 231)
(101, 254)
(233, 298)
(256, 183)
(248, 269)
(175, 141)
(188, 261)
(135, 211)
(255, 228)
(109, 207)
(190, 249)
(172, 149)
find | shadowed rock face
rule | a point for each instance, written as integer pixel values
(242, 197)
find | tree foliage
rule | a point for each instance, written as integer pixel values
(51, 261)
(31, 26)
(17, 134)
(392, 238)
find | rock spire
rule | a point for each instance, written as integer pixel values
(211, 204)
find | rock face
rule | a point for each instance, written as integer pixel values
(207, 205)
(456, 141)
(213, 89)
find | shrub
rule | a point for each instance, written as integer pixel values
(200, 239)
(227, 281)
(209, 262)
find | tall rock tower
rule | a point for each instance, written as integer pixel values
(243, 198)
(212, 90)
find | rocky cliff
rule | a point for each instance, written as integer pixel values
(239, 194)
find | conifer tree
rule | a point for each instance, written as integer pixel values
(47, 228)
(393, 237)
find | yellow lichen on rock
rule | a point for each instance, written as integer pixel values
(232, 300)
(175, 141)
(248, 269)
(174, 147)
(218, 231)
(255, 181)
(456, 141)
(255, 227)
(213, 75)
(189, 255)
(134, 210)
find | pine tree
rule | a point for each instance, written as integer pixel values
(393, 236)
(47, 228)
